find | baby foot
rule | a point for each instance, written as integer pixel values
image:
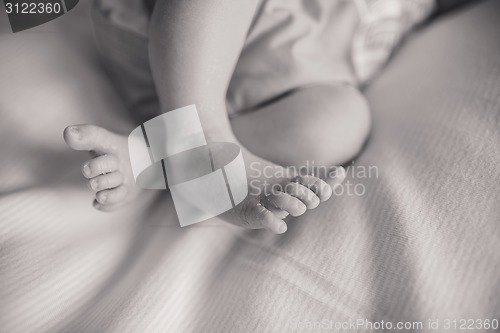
(276, 192)
(109, 172)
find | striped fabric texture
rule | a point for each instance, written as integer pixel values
(422, 242)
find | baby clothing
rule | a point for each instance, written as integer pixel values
(290, 44)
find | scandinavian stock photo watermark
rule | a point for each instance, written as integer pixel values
(366, 325)
(262, 177)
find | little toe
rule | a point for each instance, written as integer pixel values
(286, 202)
(107, 181)
(302, 193)
(90, 137)
(322, 190)
(113, 196)
(100, 165)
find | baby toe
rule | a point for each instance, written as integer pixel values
(302, 193)
(113, 196)
(322, 190)
(100, 165)
(107, 181)
(278, 212)
(90, 137)
(254, 215)
(286, 202)
(268, 220)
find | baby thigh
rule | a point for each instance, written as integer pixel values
(326, 125)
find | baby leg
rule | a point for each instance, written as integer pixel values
(324, 124)
(189, 66)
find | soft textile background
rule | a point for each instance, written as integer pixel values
(423, 242)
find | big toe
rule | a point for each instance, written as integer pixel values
(89, 137)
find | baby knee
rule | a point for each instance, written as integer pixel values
(353, 124)
(342, 126)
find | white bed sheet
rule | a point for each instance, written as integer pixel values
(423, 242)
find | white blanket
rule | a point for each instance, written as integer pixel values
(423, 242)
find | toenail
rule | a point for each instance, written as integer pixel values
(302, 208)
(282, 227)
(86, 169)
(94, 184)
(75, 132)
